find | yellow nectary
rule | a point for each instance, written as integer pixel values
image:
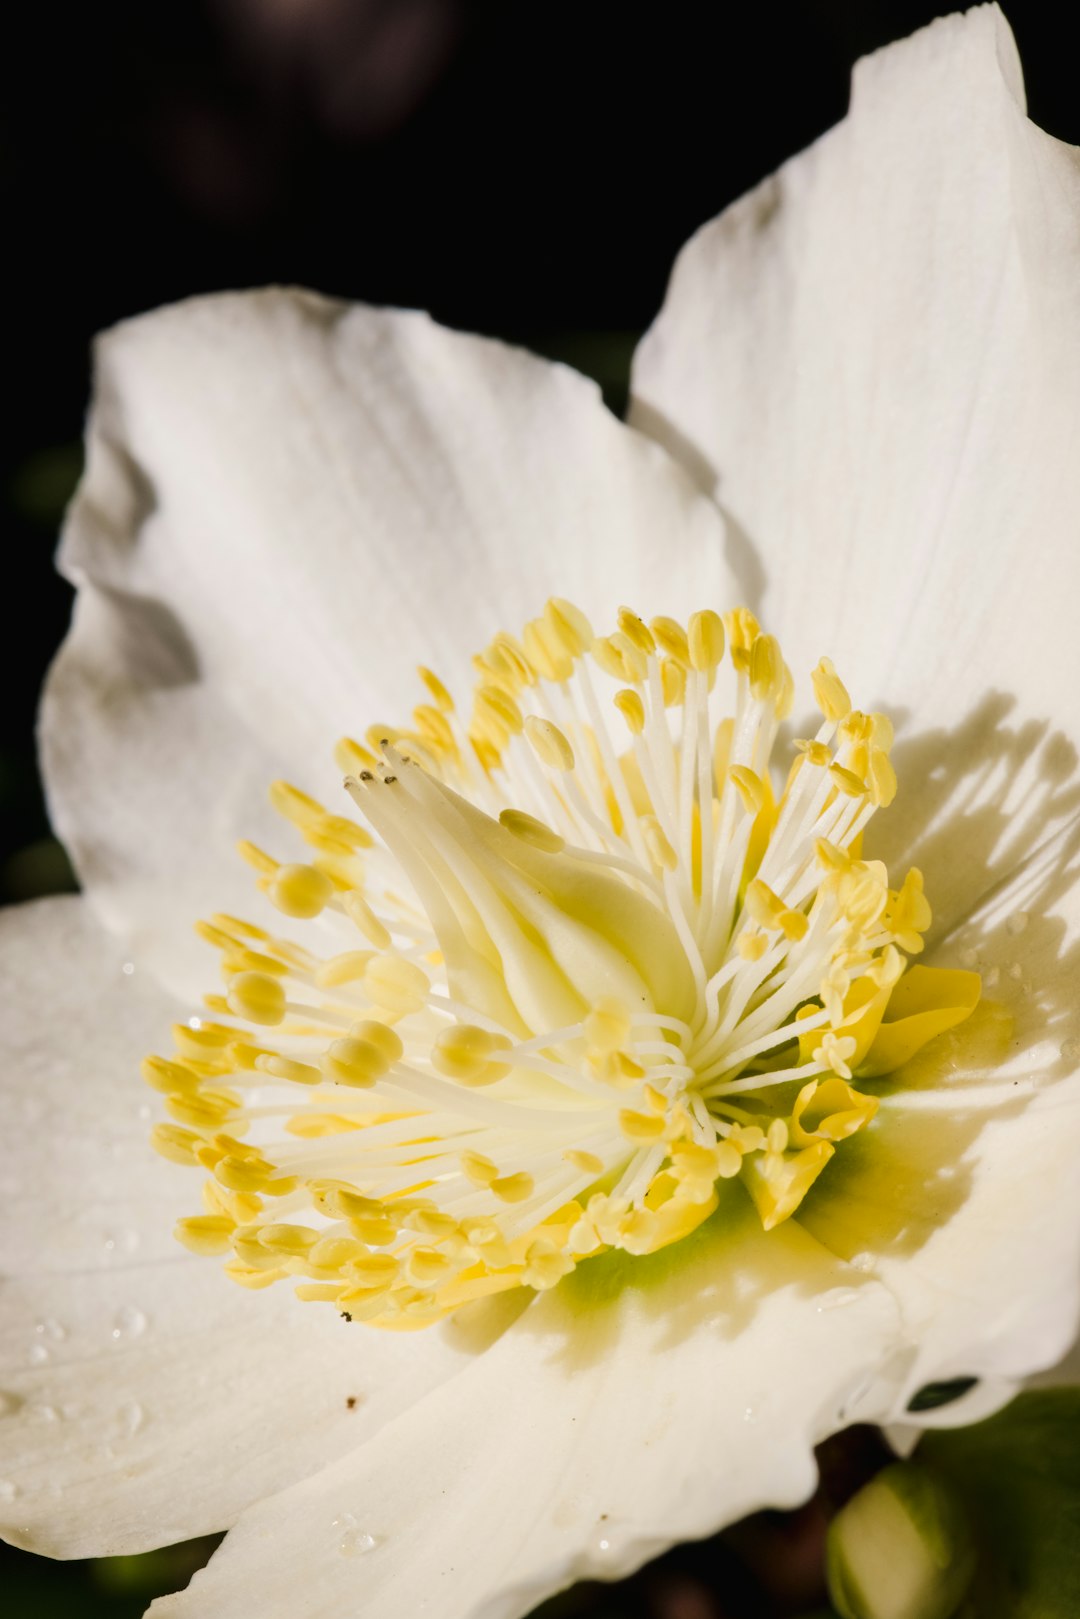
(581, 965)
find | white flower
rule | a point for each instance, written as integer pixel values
(872, 363)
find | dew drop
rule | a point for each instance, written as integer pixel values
(1015, 971)
(120, 1242)
(1070, 1049)
(968, 958)
(8, 1490)
(750, 1413)
(1017, 922)
(51, 1329)
(131, 1322)
(353, 1541)
(39, 1354)
(131, 1418)
(128, 968)
(838, 1299)
(603, 1545)
(990, 977)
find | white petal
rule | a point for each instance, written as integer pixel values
(289, 503)
(875, 357)
(963, 1196)
(614, 1418)
(143, 1397)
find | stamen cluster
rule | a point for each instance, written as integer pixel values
(581, 964)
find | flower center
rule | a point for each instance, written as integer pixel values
(583, 963)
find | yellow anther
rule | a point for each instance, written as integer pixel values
(257, 997)
(609, 655)
(363, 917)
(569, 625)
(352, 757)
(632, 709)
(170, 1078)
(794, 925)
(434, 728)
(728, 1160)
(742, 631)
(835, 1052)
(881, 778)
(545, 653)
(252, 961)
(640, 1126)
(292, 1240)
(356, 1062)
(294, 805)
(347, 968)
(750, 788)
(257, 858)
(830, 693)
(531, 831)
(300, 891)
(549, 744)
(661, 853)
(396, 985)
(513, 1188)
(332, 1253)
(545, 1265)
(815, 753)
(374, 1270)
(203, 1110)
(427, 1266)
(205, 1043)
(465, 1052)
(478, 1169)
(776, 1137)
(607, 1026)
(587, 1162)
(297, 1073)
(672, 640)
(705, 640)
(849, 784)
(834, 860)
(436, 690)
(764, 907)
(338, 834)
(766, 669)
(178, 1145)
(909, 914)
(673, 682)
(205, 1233)
(752, 946)
(494, 707)
(637, 631)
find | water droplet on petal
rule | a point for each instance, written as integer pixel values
(750, 1413)
(968, 958)
(130, 1322)
(51, 1328)
(1017, 922)
(838, 1299)
(131, 1418)
(353, 1541)
(120, 1242)
(127, 968)
(39, 1354)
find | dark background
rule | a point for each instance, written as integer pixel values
(527, 168)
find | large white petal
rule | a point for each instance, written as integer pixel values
(288, 504)
(640, 1403)
(963, 1196)
(875, 360)
(143, 1397)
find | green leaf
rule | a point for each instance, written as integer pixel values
(1018, 1474)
